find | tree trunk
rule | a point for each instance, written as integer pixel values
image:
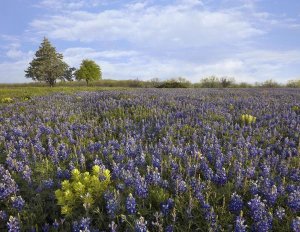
(87, 82)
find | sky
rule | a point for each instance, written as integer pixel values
(250, 40)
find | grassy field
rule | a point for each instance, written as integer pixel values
(19, 93)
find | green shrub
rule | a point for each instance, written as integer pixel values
(172, 84)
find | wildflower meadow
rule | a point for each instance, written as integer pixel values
(151, 160)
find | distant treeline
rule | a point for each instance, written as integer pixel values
(180, 82)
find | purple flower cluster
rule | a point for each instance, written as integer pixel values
(296, 224)
(18, 202)
(167, 206)
(240, 225)
(140, 225)
(82, 225)
(131, 204)
(13, 224)
(260, 215)
(112, 203)
(235, 204)
(8, 186)
(294, 200)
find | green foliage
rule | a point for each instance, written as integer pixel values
(293, 84)
(48, 65)
(248, 119)
(88, 71)
(270, 84)
(210, 82)
(67, 81)
(215, 82)
(157, 195)
(84, 190)
(172, 84)
(226, 82)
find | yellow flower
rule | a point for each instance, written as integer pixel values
(107, 175)
(65, 185)
(96, 170)
(68, 195)
(79, 188)
(60, 197)
(83, 189)
(66, 210)
(7, 100)
(75, 173)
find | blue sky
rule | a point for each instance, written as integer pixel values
(250, 40)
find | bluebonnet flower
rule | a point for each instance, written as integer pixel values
(280, 213)
(206, 170)
(18, 202)
(254, 188)
(291, 188)
(62, 153)
(240, 224)
(295, 175)
(235, 204)
(156, 179)
(128, 178)
(131, 204)
(27, 173)
(156, 162)
(120, 187)
(112, 203)
(75, 226)
(46, 227)
(296, 224)
(84, 224)
(13, 224)
(3, 215)
(140, 186)
(181, 186)
(55, 224)
(294, 200)
(261, 217)
(167, 206)
(169, 228)
(116, 170)
(271, 194)
(220, 177)
(48, 184)
(210, 216)
(8, 186)
(140, 225)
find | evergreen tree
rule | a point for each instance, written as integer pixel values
(48, 65)
(88, 71)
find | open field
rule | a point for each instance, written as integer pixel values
(78, 158)
(20, 93)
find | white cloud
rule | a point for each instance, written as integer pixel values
(156, 26)
(13, 72)
(250, 66)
